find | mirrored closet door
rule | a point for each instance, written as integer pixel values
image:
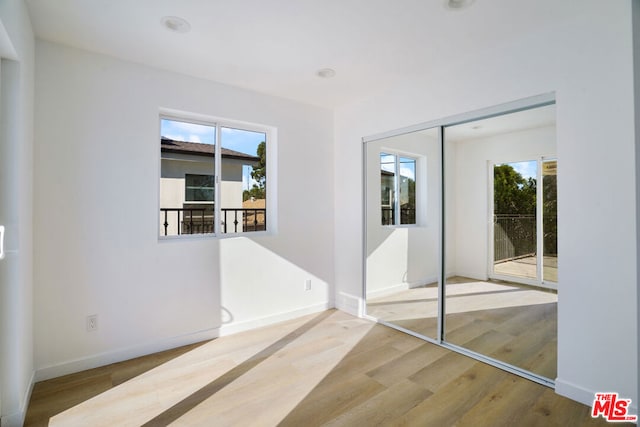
(497, 304)
(461, 235)
(403, 182)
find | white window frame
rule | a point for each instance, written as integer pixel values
(271, 172)
(396, 184)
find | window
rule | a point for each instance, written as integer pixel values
(210, 188)
(398, 189)
(199, 188)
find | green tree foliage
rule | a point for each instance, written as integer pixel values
(549, 214)
(259, 174)
(513, 194)
(412, 194)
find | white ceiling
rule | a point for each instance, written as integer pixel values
(277, 46)
(505, 123)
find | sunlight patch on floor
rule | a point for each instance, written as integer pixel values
(270, 387)
(460, 298)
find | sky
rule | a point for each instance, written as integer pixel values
(387, 163)
(527, 169)
(240, 140)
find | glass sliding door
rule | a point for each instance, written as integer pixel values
(549, 221)
(525, 230)
(515, 235)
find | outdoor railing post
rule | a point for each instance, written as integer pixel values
(225, 221)
(166, 223)
(194, 227)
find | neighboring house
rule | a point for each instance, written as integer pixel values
(187, 187)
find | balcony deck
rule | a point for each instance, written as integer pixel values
(526, 267)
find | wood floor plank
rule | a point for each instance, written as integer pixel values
(332, 399)
(488, 342)
(47, 401)
(543, 362)
(323, 369)
(385, 407)
(471, 330)
(475, 307)
(406, 365)
(556, 411)
(452, 401)
(521, 321)
(505, 405)
(518, 352)
(441, 372)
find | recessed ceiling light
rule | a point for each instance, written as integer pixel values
(457, 4)
(176, 24)
(326, 73)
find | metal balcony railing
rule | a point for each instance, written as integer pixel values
(179, 221)
(514, 236)
(407, 216)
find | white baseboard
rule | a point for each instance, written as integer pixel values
(582, 395)
(482, 276)
(388, 290)
(235, 327)
(423, 282)
(574, 392)
(350, 304)
(17, 419)
(13, 420)
(401, 287)
(106, 358)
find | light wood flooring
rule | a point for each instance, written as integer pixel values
(324, 369)
(512, 323)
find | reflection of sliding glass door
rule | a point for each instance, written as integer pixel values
(524, 221)
(549, 208)
(514, 219)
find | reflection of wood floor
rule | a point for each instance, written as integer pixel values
(324, 369)
(512, 323)
(526, 267)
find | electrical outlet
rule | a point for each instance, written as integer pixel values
(307, 285)
(92, 323)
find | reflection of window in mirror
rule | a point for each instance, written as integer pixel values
(397, 189)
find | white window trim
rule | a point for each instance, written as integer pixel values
(396, 206)
(271, 173)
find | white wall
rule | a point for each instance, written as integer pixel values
(587, 61)
(471, 189)
(96, 150)
(16, 210)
